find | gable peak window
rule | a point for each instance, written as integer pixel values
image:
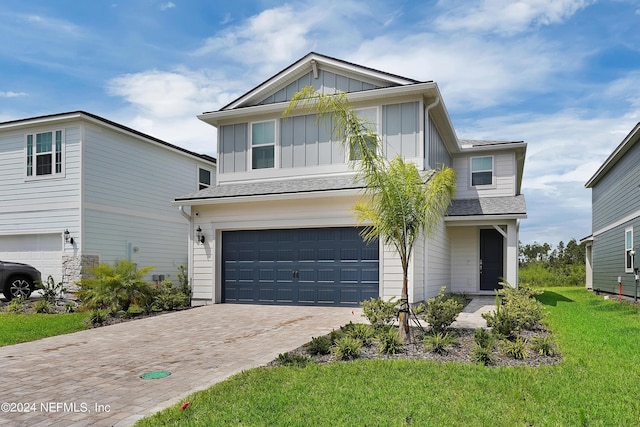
(481, 171)
(263, 143)
(45, 154)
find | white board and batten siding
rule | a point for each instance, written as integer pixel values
(34, 211)
(504, 171)
(128, 187)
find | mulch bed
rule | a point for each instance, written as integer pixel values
(460, 352)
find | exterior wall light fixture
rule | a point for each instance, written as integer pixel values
(200, 235)
(67, 237)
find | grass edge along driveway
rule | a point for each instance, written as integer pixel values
(597, 384)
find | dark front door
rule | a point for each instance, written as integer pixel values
(491, 259)
(312, 266)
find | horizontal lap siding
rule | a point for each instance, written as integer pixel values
(504, 170)
(609, 259)
(438, 261)
(45, 204)
(128, 189)
(617, 195)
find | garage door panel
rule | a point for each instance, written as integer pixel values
(299, 266)
(43, 251)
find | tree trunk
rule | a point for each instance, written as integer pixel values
(404, 308)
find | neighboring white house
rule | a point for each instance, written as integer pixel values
(278, 227)
(77, 189)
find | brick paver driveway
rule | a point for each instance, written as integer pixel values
(92, 378)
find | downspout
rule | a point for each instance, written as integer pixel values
(189, 250)
(426, 159)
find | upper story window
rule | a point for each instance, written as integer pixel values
(481, 171)
(263, 142)
(370, 120)
(204, 178)
(628, 250)
(45, 154)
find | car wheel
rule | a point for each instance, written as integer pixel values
(18, 286)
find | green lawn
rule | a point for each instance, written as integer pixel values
(597, 384)
(17, 328)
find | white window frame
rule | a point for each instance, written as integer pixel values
(31, 155)
(202, 185)
(492, 170)
(275, 139)
(358, 111)
(628, 246)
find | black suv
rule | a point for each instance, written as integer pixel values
(17, 280)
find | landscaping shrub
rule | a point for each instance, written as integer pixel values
(362, 332)
(115, 287)
(44, 306)
(97, 316)
(167, 297)
(483, 338)
(518, 309)
(379, 312)
(292, 359)
(346, 348)
(16, 305)
(439, 342)
(483, 355)
(516, 349)
(389, 341)
(50, 290)
(319, 345)
(440, 312)
(544, 345)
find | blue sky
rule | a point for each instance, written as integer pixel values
(562, 75)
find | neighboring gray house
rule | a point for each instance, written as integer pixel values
(77, 189)
(278, 226)
(615, 204)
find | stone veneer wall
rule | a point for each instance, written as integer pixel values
(73, 267)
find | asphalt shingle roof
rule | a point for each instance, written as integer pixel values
(282, 186)
(507, 205)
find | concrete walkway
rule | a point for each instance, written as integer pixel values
(92, 377)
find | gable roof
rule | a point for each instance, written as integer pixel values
(308, 63)
(626, 144)
(83, 115)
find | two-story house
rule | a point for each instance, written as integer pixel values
(77, 189)
(615, 204)
(278, 226)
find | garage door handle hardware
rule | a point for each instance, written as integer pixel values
(295, 274)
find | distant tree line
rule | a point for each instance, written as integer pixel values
(543, 265)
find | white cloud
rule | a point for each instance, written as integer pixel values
(506, 16)
(11, 94)
(52, 25)
(165, 104)
(167, 5)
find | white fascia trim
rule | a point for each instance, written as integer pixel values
(268, 197)
(617, 223)
(213, 118)
(459, 220)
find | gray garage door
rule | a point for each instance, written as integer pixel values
(311, 266)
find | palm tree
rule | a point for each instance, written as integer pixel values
(400, 204)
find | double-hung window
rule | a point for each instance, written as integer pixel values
(628, 250)
(369, 133)
(481, 171)
(263, 143)
(45, 154)
(204, 178)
